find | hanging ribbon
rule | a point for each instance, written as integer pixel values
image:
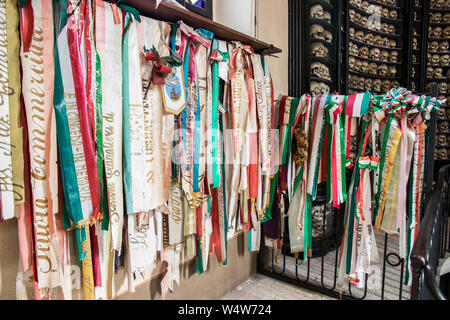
(336, 186)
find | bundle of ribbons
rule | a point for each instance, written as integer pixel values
(130, 144)
(380, 141)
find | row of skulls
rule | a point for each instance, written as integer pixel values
(369, 84)
(438, 17)
(435, 46)
(436, 73)
(372, 68)
(439, 4)
(371, 23)
(441, 154)
(438, 60)
(375, 9)
(442, 87)
(318, 88)
(317, 12)
(371, 39)
(319, 32)
(373, 53)
(439, 32)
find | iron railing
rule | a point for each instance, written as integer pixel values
(386, 281)
(432, 242)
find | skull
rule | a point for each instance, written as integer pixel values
(445, 60)
(384, 56)
(317, 32)
(435, 59)
(443, 46)
(378, 40)
(352, 14)
(319, 50)
(414, 58)
(415, 43)
(393, 14)
(436, 32)
(386, 85)
(446, 18)
(364, 5)
(315, 89)
(443, 154)
(363, 21)
(441, 114)
(368, 84)
(365, 67)
(438, 73)
(385, 27)
(352, 62)
(413, 72)
(417, 3)
(430, 72)
(436, 17)
(364, 52)
(358, 65)
(354, 81)
(357, 18)
(415, 16)
(317, 11)
(327, 16)
(393, 56)
(320, 70)
(443, 126)
(324, 88)
(351, 31)
(373, 68)
(375, 54)
(391, 29)
(439, 4)
(433, 46)
(413, 86)
(392, 43)
(358, 3)
(392, 71)
(382, 70)
(376, 85)
(361, 83)
(353, 48)
(385, 12)
(443, 87)
(385, 42)
(359, 36)
(446, 33)
(441, 140)
(328, 36)
(368, 38)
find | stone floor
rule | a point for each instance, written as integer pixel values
(260, 287)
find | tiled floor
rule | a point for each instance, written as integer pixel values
(260, 287)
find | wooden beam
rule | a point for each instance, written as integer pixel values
(171, 13)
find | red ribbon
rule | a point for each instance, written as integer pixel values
(27, 25)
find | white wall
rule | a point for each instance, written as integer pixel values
(236, 14)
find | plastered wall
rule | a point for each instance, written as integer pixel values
(272, 27)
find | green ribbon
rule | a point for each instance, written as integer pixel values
(215, 112)
(128, 9)
(72, 212)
